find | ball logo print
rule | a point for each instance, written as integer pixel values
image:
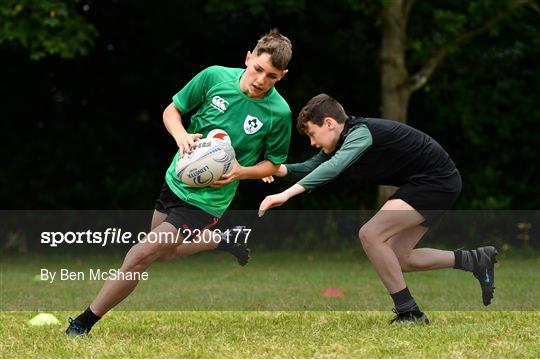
(252, 124)
(210, 159)
(220, 135)
(201, 177)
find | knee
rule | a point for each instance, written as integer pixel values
(367, 237)
(139, 259)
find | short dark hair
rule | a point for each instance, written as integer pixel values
(276, 45)
(317, 109)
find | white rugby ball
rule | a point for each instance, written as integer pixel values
(223, 139)
(210, 159)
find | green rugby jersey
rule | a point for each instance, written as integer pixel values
(256, 127)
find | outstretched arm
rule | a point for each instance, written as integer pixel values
(298, 170)
(263, 169)
(276, 200)
(282, 171)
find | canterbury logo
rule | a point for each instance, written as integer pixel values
(219, 103)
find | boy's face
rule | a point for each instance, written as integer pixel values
(326, 136)
(260, 75)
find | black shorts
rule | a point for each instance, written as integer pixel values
(431, 195)
(181, 214)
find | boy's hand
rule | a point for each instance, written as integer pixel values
(186, 142)
(234, 174)
(282, 171)
(272, 201)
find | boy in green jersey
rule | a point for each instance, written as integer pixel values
(390, 153)
(245, 104)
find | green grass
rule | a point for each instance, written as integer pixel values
(279, 334)
(272, 281)
(277, 282)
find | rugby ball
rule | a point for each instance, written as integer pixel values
(207, 162)
(219, 135)
(223, 139)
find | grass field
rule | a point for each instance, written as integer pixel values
(287, 284)
(279, 334)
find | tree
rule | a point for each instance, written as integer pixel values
(46, 27)
(455, 28)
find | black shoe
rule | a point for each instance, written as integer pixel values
(236, 244)
(484, 271)
(76, 328)
(241, 252)
(415, 316)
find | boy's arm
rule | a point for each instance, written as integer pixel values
(263, 169)
(299, 170)
(188, 98)
(356, 143)
(260, 170)
(279, 199)
(173, 123)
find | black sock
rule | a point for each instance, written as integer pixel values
(88, 318)
(404, 302)
(458, 259)
(464, 259)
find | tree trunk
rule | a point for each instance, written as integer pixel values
(395, 92)
(396, 83)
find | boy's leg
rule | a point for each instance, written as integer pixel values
(237, 247)
(138, 259)
(193, 248)
(157, 218)
(182, 249)
(480, 261)
(412, 259)
(395, 217)
(239, 250)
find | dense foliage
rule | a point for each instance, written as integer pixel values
(85, 84)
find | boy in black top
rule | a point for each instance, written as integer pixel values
(390, 153)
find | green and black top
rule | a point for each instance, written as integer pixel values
(381, 151)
